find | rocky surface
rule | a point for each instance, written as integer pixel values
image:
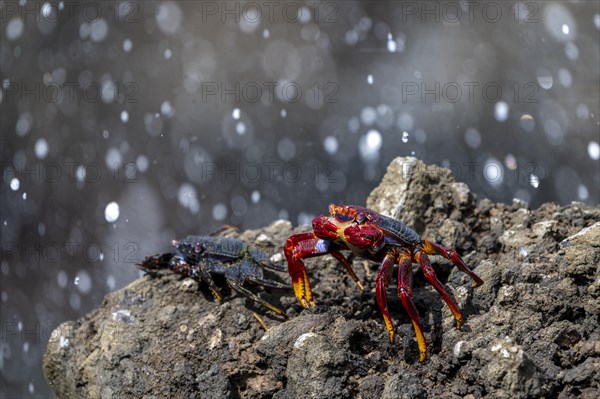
(532, 330)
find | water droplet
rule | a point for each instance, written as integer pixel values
(15, 184)
(286, 149)
(24, 123)
(41, 148)
(534, 181)
(527, 123)
(330, 144)
(98, 30)
(83, 281)
(240, 128)
(351, 37)
(127, 45)
(493, 172)
(472, 137)
(110, 282)
(255, 197)
(594, 150)
(370, 144)
(61, 279)
(370, 79)
(168, 17)
(239, 206)
(236, 113)
(24, 196)
(283, 113)
(14, 29)
(405, 137)
(510, 161)
(354, 124)
(142, 163)
(544, 78)
(188, 198)
(565, 29)
(583, 112)
(266, 34)
(374, 139)
(167, 109)
(571, 51)
(501, 111)
(124, 116)
(392, 46)
(582, 192)
(368, 115)
(111, 212)
(219, 212)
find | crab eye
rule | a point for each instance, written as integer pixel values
(342, 218)
(360, 217)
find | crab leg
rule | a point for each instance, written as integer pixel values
(348, 266)
(436, 249)
(308, 245)
(261, 258)
(265, 282)
(296, 247)
(236, 285)
(203, 271)
(423, 260)
(405, 295)
(381, 283)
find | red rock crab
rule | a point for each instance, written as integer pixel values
(378, 238)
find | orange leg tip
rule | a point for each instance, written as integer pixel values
(422, 356)
(360, 285)
(307, 304)
(392, 336)
(216, 295)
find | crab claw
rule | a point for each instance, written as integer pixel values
(325, 228)
(364, 237)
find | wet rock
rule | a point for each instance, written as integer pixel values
(167, 337)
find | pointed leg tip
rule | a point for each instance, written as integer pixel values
(307, 304)
(477, 283)
(422, 356)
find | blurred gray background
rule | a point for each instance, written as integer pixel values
(127, 124)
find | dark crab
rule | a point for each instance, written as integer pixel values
(378, 238)
(199, 257)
